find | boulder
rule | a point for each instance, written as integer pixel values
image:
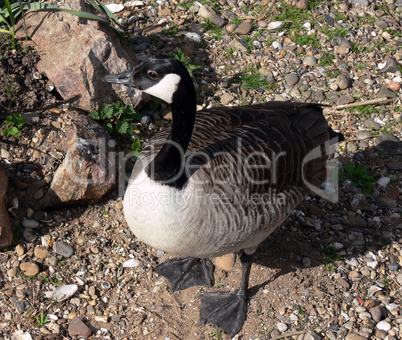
(75, 55)
(6, 233)
(89, 168)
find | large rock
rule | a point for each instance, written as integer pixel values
(6, 233)
(88, 170)
(76, 54)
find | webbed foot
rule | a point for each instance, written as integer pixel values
(227, 310)
(185, 272)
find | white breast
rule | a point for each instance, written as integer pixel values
(154, 212)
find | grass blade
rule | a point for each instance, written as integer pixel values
(109, 13)
(47, 7)
(10, 12)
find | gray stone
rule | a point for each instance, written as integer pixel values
(139, 39)
(389, 144)
(206, 11)
(378, 313)
(226, 98)
(399, 279)
(345, 99)
(243, 28)
(217, 20)
(80, 68)
(310, 335)
(384, 326)
(238, 45)
(343, 81)
(310, 61)
(21, 306)
(381, 24)
(64, 292)
(306, 261)
(354, 336)
(360, 135)
(386, 92)
(360, 2)
(391, 65)
(87, 172)
(393, 267)
(370, 124)
(62, 248)
(291, 79)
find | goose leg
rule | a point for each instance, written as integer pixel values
(228, 309)
(185, 272)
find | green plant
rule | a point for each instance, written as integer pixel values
(14, 122)
(361, 66)
(300, 311)
(41, 319)
(303, 39)
(136, 147)
(185, 59)
(331, 254)
(326, 59)
(236, 21)
(116, 118)
(252, 79)
(214, 31)
(359, 177)
(332, 74)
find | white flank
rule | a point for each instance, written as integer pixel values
(165, 88)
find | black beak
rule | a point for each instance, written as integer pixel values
(125, 78)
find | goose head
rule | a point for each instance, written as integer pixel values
(160, 76)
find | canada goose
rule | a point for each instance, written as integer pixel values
(218, 181)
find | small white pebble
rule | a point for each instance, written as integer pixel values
(384, 326)
(383, 181)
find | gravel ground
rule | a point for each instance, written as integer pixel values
(332, 271)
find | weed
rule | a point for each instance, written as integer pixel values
(330, 267)
(359, 177)
(332, 74)
(14, 122)
(333, 33)
(236, 21)
(365, 110)
(303, 39)
(300, 311)
(252, 79)
(116, 118)
(185, 59)
(358, 49)
(326, 59)
(41, 319)
(229, 53)
(136, 147)
(361, 66)
(214, 31)
(331, 254)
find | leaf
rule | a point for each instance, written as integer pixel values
(11, 131)
(122, 127)
(108, 127)
(94, 115)
(107, 111)
(349, 168)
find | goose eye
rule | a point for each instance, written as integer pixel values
(153, 75)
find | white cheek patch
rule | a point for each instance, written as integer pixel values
(165, 88)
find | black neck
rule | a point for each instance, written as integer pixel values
(168, 166)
